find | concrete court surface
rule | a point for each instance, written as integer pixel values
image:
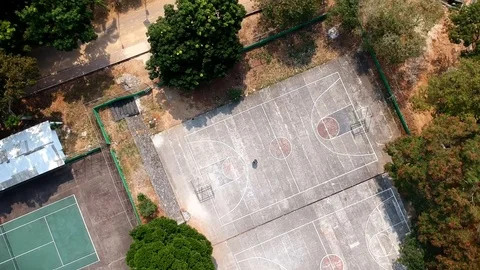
(313, 135)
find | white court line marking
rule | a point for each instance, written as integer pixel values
(262, 258)
(269, 100)
(109, 171)
(18, 256)
(313, 125)
(301, 226)
(3, 224)
(372, 254)
(323, 246)
(86, 228)
(356, 114)
(401, 212)
(323, 217)
(51, 235)
(239, 156)
(287, 198)
(79, 260)
(283, 154)
(10, 252)
(25, 224)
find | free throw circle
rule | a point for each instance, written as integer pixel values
(328, 128)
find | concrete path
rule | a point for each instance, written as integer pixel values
(119, 39)
(154, 168)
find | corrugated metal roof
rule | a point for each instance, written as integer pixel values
(29, 153)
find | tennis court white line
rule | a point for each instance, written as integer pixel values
(289, 231)
(79, 260)
(18, 256)
(262, 103)
(10, 252)
(86, 228)
(37, 210)
(61, 209)
(51, 235)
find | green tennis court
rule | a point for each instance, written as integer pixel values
(52, 237)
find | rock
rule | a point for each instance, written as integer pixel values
(128, 82)
(186, 215)
(83, 134)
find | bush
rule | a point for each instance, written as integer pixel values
(412, 255)
(286, 13)
(196, 42)
(235, 94)
(146, 207)
(162, 244)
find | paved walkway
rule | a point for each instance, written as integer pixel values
(119, 39)
(154, 168)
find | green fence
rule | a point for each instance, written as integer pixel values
(82, 155)
(106, 137)
(383, 77)
(124, 182)
(267, 40)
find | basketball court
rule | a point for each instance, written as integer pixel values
(243, 166)
(52, 237)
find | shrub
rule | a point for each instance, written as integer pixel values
(235, 94)
(146, 207)
(286, 13)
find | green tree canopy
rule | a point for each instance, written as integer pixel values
(58, 23)
(466, 26)
(286, 13)
(439, 172)
(16, 73)
(195, 42)
(455, 92)
(395, 29)
(162, 244)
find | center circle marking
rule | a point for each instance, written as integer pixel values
(331, 262)
(280, 148)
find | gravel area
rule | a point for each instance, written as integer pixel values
(154, 168)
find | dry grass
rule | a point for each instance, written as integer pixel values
(72, 104)
(129, 157)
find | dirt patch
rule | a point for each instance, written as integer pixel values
(408, 79)
(132, 165)
(72, 103)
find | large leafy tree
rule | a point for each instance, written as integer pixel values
(195, 42)
(456, 92)
(285, 13)
(58, 23)
(162, 244)
(466, 26)
(16, 73)
(439, 173)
